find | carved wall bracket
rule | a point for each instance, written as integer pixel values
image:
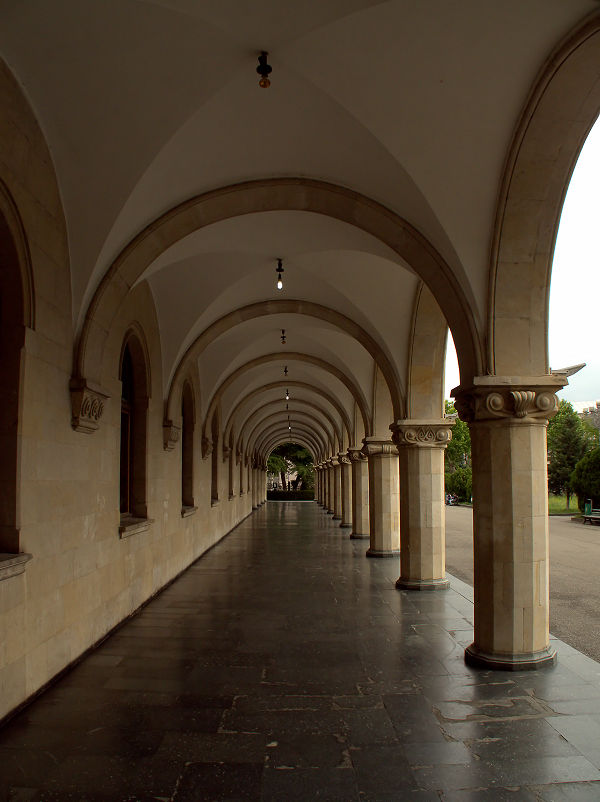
(171, 434)
(87, 406)
(343, 458)
(207, 447)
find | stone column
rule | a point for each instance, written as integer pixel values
(346, 490)
(384, 497)
(337, 489)
(330, 488)
(360, 495)
(508, 423)
(421, 445)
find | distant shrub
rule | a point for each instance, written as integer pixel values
(290, 495)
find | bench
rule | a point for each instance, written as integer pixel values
(593, 516)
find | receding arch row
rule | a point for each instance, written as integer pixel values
(353, 388)
(451, 291)
(264, 448)
(296, 385)
(301, 418)
(297, 438)
(337, 432)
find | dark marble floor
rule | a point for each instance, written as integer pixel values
(284, 665)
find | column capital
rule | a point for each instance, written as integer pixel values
(334, 461)
(375, 447)
(343, 458)
(356, 455)
(499, 398)
(422, 433)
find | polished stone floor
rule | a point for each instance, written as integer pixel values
(283, 665)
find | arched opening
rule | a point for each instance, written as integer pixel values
(290, 473)
(187, 449)
(134, 414)
(12, 338)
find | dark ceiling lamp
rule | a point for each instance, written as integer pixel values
(285, 371)
(264, 70)
(283, 336)
(279, 271)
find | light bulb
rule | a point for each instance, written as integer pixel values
(279, 283)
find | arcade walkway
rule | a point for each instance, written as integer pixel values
(284, 665)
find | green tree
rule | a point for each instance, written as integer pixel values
(585, 479)
(568, 441)
(457, 459)
(298, 459)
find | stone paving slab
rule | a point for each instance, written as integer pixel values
(283, 665)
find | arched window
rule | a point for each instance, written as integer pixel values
(187, 450)
(134, 414)
(15, 314)
(216, 443)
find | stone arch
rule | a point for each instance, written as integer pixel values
(301, 428)
(354, 389)
(310, 404)
(280, 437)
(293, 194)
(426, 356)
(289, 306)
(301, 417)
(558, 115)
(16, 315)
(296, 384)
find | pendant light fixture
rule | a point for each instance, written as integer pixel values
(264, 70)
(279, 271)
(283, 336)
(287, 395)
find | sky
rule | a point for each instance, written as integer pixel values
(574, 334)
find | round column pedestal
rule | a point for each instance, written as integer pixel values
(422, 584)
(378, 553)
(510, 662)
(354, 536)
(345, 526)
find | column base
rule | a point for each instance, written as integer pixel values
(422, 584)
(354, 536)
(378, 553)
(337, 517)
(345, 526)
(254, 507)
(329, 512)
(531, 661)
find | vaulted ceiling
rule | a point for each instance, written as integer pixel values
(146, 105)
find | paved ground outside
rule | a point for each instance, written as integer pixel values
(284, 665)
(574, 574)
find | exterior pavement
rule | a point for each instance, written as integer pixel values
(283, 665)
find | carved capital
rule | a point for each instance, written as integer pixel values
(375, 448)
(207, 447)
(508, 401)
(343, 458)
(171, 434)
(87, 406)
(422, 433)
(334, 462)
(356, 455)
(226, 453)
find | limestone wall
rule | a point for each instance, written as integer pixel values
(83, 578)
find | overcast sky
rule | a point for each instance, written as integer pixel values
(575, 287)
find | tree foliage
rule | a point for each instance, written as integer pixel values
(569, 439)
(457, 459)
(585, 479)
(296, 459)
